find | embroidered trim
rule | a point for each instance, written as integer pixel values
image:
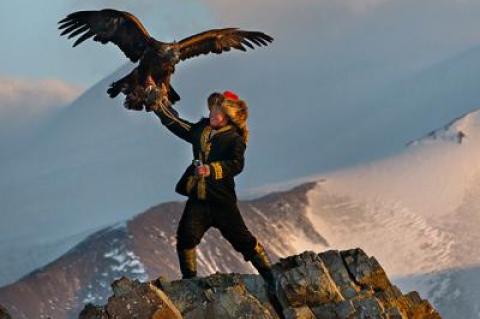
(258, 246)
(205, 146)
(217, 167)
(205, 143)
(190, 183)
(223, 129)
(205, 140)
(201, 188)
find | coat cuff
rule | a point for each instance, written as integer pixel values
(216, 170)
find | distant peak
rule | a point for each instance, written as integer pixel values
(454, 131)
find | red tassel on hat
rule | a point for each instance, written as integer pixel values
(230, 95)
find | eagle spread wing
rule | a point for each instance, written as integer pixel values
(220, 40)
(121, 28)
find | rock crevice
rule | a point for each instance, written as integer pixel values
(330, 285)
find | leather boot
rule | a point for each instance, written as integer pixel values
(188, 262)
(262, 263)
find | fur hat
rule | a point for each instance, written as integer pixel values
(237, 112)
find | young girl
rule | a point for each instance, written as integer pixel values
(219, 144)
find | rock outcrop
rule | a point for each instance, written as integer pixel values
(333, 284)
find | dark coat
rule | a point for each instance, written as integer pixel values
(224, 153)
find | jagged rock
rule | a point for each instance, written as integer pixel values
(304, 280)
(220, 296)
(331, 285)
(93, 312)
(4, 314)
(132, 299)
(366, 271)
(298, 313)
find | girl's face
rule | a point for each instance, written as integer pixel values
(217, 118)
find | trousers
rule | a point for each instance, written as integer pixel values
(199, 215)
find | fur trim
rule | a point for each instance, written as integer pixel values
(237, 112)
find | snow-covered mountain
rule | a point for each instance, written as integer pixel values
(94, 163)
(416, 212)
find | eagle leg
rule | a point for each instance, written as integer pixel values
(134, 100)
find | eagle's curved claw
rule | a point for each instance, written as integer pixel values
(152, 97)
(155, 96)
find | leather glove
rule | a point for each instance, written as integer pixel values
(152, 97)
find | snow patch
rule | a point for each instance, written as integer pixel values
(125, 261)
(455, 131)
(417, 212)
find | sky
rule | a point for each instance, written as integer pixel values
(326, 55)
(31, 47)
(405, 34)
(329, 58)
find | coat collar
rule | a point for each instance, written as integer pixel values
(206, 141)
(207, 129)
(226, 128)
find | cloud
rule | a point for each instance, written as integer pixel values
(26, 98)
(274, 12)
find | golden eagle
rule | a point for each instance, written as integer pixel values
(157, 59)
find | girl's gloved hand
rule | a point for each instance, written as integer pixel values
(202, 170)
(152, 95)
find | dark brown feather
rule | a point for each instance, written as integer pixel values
(221, 40)
(84, 37)
(157, 59)
(118, 27)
